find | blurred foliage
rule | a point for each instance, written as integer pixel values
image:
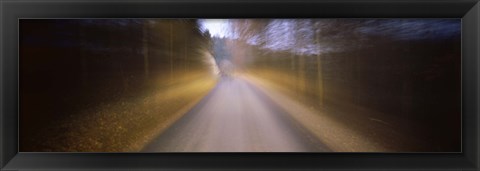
(107, 84)
(413, 83)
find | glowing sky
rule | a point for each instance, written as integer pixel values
(217, 28)
(298, 35)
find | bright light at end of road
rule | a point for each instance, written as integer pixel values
(221, 28)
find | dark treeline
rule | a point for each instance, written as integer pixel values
(67, 66)
(413, 85)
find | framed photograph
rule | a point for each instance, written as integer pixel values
(247, 85)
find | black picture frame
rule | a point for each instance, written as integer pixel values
(12, 10)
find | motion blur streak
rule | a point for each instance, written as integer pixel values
(240, 85)
(326, 85)
(108, 85)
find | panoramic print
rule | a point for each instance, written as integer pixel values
(240, 85)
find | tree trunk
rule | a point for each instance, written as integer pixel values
(185, 57)
(171, 51)
(145, 50)
(83, 60)
(319, 73)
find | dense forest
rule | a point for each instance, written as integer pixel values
(410, 80)
(97, 85)
(113, 85)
